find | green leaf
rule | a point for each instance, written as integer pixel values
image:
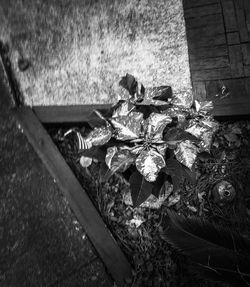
(140, 188)
(177, 171)
(174, 135)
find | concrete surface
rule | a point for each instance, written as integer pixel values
(41, 242)
(79, 49)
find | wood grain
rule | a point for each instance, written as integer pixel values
(209, 63)
(202, 11)
(89, 218)
(236, 61)
(229, 15)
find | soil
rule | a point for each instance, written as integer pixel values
(138, 230)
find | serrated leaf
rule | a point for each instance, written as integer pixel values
(174, 135)
(140, 188)
(177, 170)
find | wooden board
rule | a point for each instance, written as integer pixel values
(66, 114)
(219, 51)
(89, 218)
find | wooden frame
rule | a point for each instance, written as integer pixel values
(31, 122)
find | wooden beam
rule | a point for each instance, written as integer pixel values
(210, 52)
(66, 114)
(89, 218)
(196, 3)
(202, 11)
(229, 15)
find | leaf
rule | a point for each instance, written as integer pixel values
(177, 170)
(149, 163)
(162, 93)
(127, 127)
(157, 96)
(120, 161)
(97, 119)
(140, 188)
(134, 88)
(174, 135)
(156, 123)
(218, 253)
(158, 184)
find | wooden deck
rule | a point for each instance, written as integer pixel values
(218, 34)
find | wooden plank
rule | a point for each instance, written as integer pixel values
(202, 11)
(233, 38)
(247, 13)
(209, 63)
(203, 21)
(215, 74)
(246, 53)
(247, 86)
(229, 15)
(199, 89)
(194, 3)
(89, 218)
(236, 61)
(241, 19)
(214, 51)
(205, 41)
(247, 71)
(231, 110)
(236, 88)
(66, 114)
(207, 31)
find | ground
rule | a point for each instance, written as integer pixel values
(42, 244)
(78, 50)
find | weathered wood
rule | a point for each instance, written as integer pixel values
(229, 15)
(232, 110)
(215, 74)
(235, 87)
(209, 63)
(204, 41)
(66, 114)
(204, 21)
(241, 19)
(246, 53)
(202, 11)
(236, 61)
(233, 38)
(247, 13)
(199, 89)
(207, 31)
(204, 52)
(89, 218)
(247, 71)
(194, 3)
